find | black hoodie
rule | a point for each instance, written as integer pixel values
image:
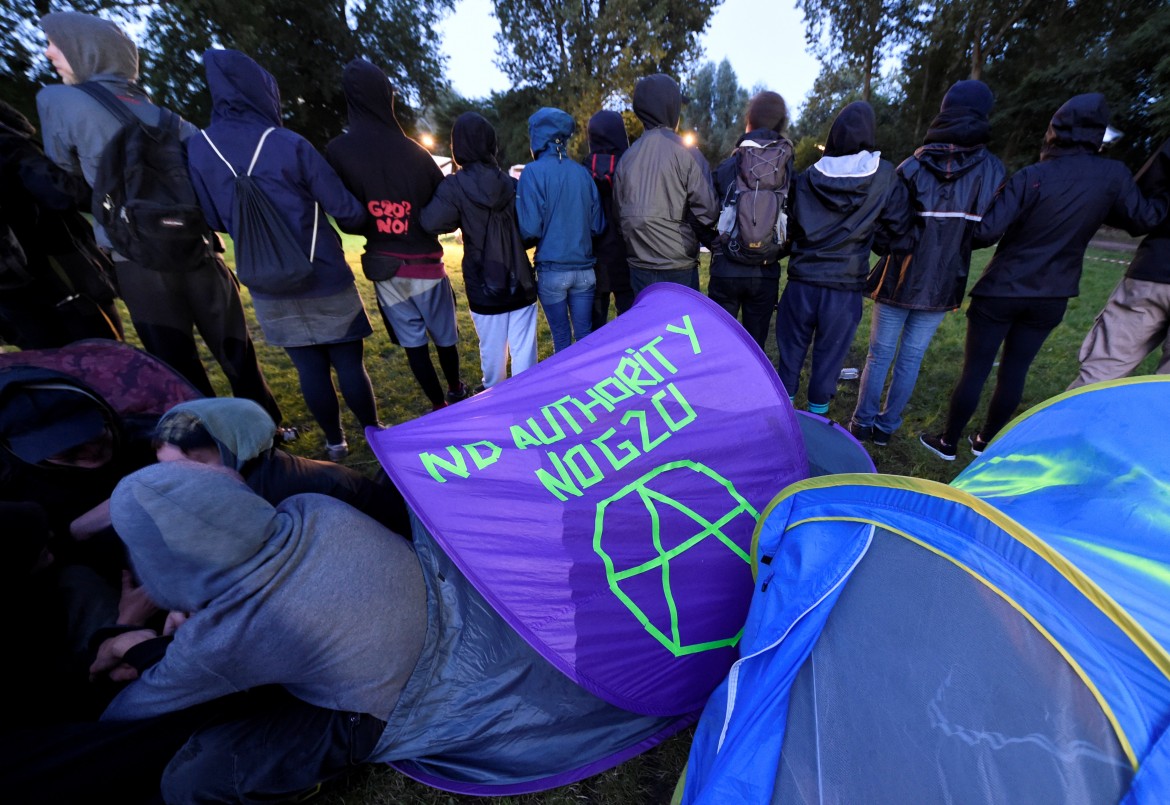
(607, 138)
(1152, 261)
(842, 202)
(392, 175)
(1045, 215)
(477, 195)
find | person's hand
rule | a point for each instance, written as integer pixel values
(93, 521)
(111, 652)
(135, 606)
(175, 619)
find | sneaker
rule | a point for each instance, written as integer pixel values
(439, 405)
(881, 437)
(287, 434)
(862, 433)
(462, 393)
(337, 452)
(978, 444)
(936, 445)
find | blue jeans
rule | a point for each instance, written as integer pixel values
(893, 331)
(567, 299)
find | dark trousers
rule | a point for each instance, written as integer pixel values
(754, 297)
(826, 319)
(261, 746)
(166, 308)
(1021, 326)
(313, 364)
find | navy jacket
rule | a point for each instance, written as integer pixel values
(557, 203)
(1045, 215)
(841, 203)
(245, 102)
(1152, 261)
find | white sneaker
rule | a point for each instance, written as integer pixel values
(337, 452)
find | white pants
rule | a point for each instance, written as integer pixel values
(504, 334)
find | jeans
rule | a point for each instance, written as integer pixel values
(899, 336)
(567, 299)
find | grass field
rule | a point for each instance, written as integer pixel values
(651, 777)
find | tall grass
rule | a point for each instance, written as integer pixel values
(651, 777)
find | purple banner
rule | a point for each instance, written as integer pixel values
(604, 500)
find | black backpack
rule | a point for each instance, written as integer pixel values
(269, 260)
(142, 194)
(752, 224)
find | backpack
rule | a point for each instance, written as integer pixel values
(752, 224)
(142, 194)
(269, 260)
(601, 168)
(501, 253)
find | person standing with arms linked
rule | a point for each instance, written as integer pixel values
(1043, 218)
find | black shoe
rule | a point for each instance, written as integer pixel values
(462, 393)
(862, 433)
(978, 445)
(936, 445)
(881, 437)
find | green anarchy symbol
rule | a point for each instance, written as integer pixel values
(706, 528)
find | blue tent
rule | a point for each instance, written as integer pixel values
(1002, 638)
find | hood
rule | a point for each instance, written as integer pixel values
(487, 186)
(240, 427)
(92, 45)
(658, 101)
(241, 90)
(1077, 127)
(963, 117)
(550, 128)
(370, 97)
(44, 413)
(194, 532)
(607, 134)
(948, 162)
(473, 140)
(854, 130)
(841, 183)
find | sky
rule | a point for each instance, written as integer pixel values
(782, 64)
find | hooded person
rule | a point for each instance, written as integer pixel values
(662, 192)
(951, 180)
(312, 607)
(55, 285)
(558, 207)
(839, 207)
(395, 178)
(239, 434)
(1136, 319)
(165, 306)
(1043, 218)
(607, 142)
(750, 289)
(322, 324)
(499, 282)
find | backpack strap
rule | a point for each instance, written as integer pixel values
(252, 164)
(110, 101)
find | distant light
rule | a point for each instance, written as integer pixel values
(427, 141)
(1112, 135)
(689, 139)
(820, 147)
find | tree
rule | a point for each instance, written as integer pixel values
(857, 34)
(397, 35)
(583, 55)
(715, 109)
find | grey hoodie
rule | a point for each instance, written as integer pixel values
(75, 126)
(310, 595)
